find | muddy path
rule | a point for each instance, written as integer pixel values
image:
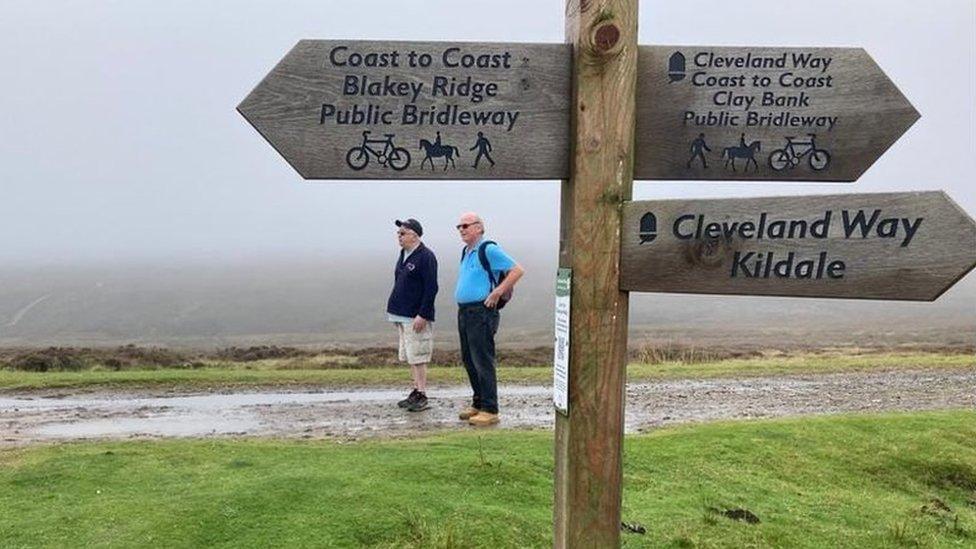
(354, 414)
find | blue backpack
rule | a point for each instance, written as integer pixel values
(483, 258)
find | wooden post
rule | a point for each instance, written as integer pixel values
(589, 440)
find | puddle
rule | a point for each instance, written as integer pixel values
(185, 425)
(208, 402)
(343, 413)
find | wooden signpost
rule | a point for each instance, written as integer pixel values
(801, 114)
(897, 246)
(417, 110)
(589, 435)
(441, 110)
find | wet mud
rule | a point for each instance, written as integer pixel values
(368, 413)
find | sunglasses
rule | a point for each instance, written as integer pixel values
(401, 233)
(463, 226)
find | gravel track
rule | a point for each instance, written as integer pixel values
(367, 413)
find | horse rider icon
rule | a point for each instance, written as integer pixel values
(696, 150)
(745, 151)
(484, 147)
(438, 150)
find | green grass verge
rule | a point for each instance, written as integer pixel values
(904, 480)
(291, 373)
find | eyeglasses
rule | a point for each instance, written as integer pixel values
(463, 226)
(401, 233)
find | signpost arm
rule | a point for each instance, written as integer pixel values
(588, 441)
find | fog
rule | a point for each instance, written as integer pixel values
(138, 205)
(322, 302)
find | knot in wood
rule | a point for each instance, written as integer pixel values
(606, 37)
(709, 252)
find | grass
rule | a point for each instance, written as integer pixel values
(904, 480)
(298, 373)
(889, 481)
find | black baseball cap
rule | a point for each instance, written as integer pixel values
(411, 224)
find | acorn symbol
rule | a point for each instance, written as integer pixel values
(648, 228)
(676, 67)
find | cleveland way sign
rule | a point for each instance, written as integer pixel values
(751, 113)
(898, 246)
(410, 110)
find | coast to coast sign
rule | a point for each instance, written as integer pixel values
(411, 110)
(898, 246)
(804, 114)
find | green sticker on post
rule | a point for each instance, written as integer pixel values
(560, 369)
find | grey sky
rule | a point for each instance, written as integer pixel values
(119, 139)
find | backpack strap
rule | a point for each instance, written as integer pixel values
(483, 257)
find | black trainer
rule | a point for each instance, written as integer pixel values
(411, 398)
(420, 404)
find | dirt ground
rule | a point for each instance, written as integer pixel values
(368, 413)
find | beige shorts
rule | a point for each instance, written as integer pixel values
(416, 347)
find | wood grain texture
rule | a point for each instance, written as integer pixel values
(851, 106)
(589, 438)
(924, 247)
(312, 108)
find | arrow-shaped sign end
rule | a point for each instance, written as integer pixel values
(894, 119)
(965, 222)
(243, 110)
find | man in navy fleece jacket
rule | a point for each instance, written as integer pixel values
(411, 308)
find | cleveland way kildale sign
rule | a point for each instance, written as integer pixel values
(898, 246)
(805, 114)
(410, 110)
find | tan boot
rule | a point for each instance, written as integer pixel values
(483, 419)
(468, 412)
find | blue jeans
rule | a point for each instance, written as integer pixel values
(477, 325)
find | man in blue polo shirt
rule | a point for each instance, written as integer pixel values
(477, 297)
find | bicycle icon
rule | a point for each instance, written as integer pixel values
(391, 156)
(794, 151)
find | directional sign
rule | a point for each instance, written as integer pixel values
(803, 114)
(408, 110)
(900, 246)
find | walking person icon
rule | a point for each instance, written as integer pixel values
(484, 147)
(696, 150)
